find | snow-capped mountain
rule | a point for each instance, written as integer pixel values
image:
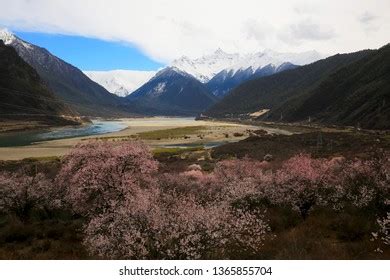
(24, 97)
(222, 71)
(171, 92)
(186, 86)
(66, 81)
(260, 60)
(208, 66)
(228, 79)
(8, 38)
(300, 59)
(120, 82)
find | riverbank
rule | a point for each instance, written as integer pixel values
(297, 127)
(36, 122)
(135, 128)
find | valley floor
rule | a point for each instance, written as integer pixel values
(323, 235)
(156, 132)
(36, 122)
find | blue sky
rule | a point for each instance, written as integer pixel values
(92, 54)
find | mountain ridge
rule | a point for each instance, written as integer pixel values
(335, 90)
(219, 70)
(266, 92)
(24, 96)
(171, 92)
(357, 94)
(67, 82)
(120, 82)
(206, 67)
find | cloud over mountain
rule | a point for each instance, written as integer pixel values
(165, 29)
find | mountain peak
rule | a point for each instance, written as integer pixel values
(7, 36)
(171, 71)
(10, 38)
(208, 66)
(172, 92)
(181, 59)
(120, 82)
(219, 51)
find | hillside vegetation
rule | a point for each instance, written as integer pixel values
(24, 95)
(346, 89)
(357, 94)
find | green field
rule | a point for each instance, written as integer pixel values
(172, 133)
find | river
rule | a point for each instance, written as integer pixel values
(24, 138)
(58, 141)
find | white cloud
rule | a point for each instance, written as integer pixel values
(167, 29)
(368, 22)
(260, 31)
(308, 30)
(366, 18)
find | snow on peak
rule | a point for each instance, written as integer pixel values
(219, 51)
(10, 39)
(171, 71)
(6, 36)
(302, 58)
(206, 67)
(255, 61)
(120, 82)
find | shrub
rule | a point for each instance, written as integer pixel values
(21, 193)
(174, 227)
(133, 215)
(240, 178)
(132, 211)
(304, 182)
(366, 182)
(384, 229)
(383, 234)
(99, 176)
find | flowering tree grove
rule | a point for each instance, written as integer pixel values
(99, 177)
(133, 211)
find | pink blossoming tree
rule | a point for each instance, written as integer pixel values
(21, 193)
(99, 176)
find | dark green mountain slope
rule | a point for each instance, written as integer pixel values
(24, 97)
(358, 95)
(171, 92)
(67, 82)
(272, 91)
